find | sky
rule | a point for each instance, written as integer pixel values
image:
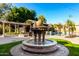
(55, 12)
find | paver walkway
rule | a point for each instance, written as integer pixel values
(4, 40)
(74, 40)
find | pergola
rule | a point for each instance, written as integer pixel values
(16, 25)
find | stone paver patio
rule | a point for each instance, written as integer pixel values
(4, 40)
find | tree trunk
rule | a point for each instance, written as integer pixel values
(59, 32)
(72, 32)
(69, 31)
(65, 32)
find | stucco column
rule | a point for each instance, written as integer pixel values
(3, 28)
(24, 28)
(9, 28)
(15, 28)
(18, 29)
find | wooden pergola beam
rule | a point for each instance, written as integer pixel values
(15, 24)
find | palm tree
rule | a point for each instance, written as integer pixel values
(71, 26)
(41, 21)
(59, 27)
(55, 26)
(68, 23)
(42, 18)
(64, 28)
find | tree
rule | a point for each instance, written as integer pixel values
(68, 25)
(55, 26)
(64, 28)
(21, 14)
(59, 26)
(71, 26)
(52, 26)
(42, 18)
(4, 8)
(53, 29)
(33, 15)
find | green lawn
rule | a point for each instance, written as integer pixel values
(5, 48)
(73, 48)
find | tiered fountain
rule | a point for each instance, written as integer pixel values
(39, 46)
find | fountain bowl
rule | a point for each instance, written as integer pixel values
(48, 46)
(31, 43)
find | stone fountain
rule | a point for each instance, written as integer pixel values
(39, 46)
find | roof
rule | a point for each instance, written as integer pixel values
(4, 21)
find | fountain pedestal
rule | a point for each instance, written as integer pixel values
(39, 34)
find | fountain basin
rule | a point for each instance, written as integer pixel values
(47, 47)
(61, 51)
(47, 43)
